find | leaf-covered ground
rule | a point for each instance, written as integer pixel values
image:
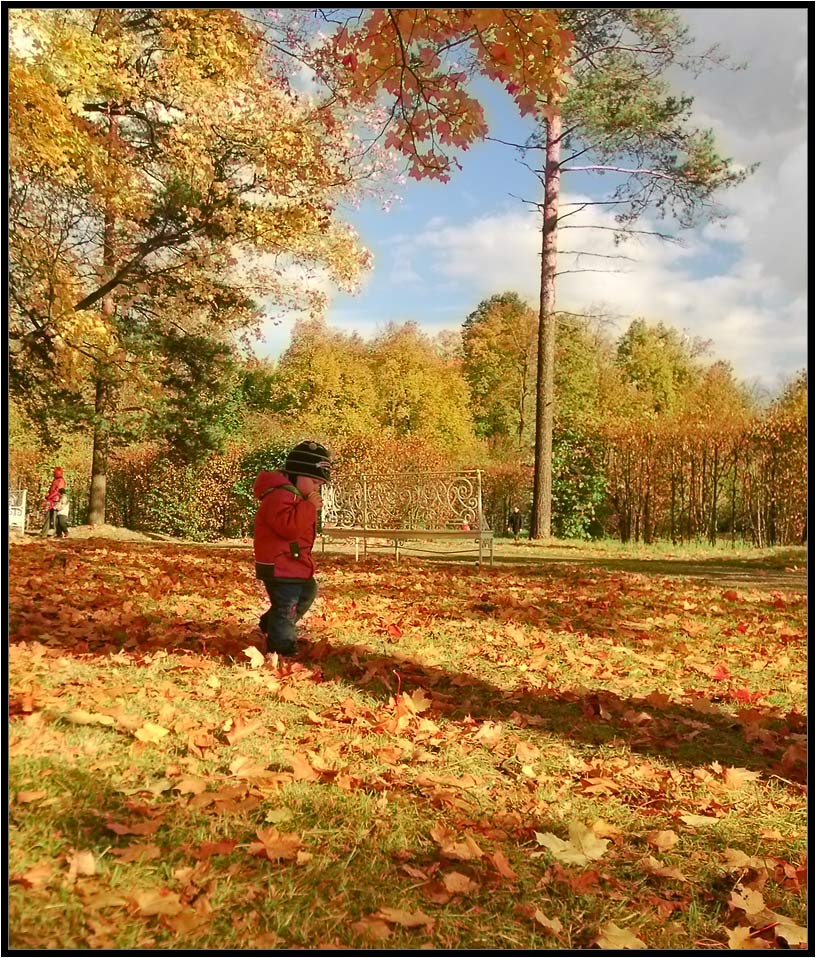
(537, 756)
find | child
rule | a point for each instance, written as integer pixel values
(285, 529)
(61, 510)
(50, 501)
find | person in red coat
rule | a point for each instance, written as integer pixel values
(285, 530)
(51, 499)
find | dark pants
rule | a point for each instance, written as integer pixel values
(289, 601)
(48, 522)
(62, 526)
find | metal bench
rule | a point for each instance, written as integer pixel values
(408, 507)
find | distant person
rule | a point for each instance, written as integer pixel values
(515, 524)
(285, 530)
(61, 511)
(50, 501)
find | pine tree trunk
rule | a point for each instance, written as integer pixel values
(541, 523)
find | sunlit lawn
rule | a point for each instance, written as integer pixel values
(543, 755)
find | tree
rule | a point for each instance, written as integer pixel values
(498, 346)
(618, 117)
(418, 392)
(177, 182)
(325, 379)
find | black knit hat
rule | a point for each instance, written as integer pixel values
(309, 459)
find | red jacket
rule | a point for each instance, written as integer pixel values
(57, 485)
(285, 529)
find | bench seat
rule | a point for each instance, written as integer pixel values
(483, 537)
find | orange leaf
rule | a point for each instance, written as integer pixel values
(502, 864)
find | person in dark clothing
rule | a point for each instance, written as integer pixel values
(285, 530)
(515, 524)
(50, 501)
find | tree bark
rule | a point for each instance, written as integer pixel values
(541, 524)
(101, 439)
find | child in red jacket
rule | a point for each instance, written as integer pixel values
(285, 530)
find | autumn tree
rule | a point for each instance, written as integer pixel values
(498, 346)
(163, 180)
(419, 392)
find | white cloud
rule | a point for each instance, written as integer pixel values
(744, 311)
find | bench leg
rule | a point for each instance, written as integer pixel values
(396, 550)
(356, 550)
(491, 553)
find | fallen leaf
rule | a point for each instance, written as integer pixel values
(190, 785)
(256, 659)
(241, 731)
(275, 845)
(583, 846)
(406, 919)
(735, 778)
(464, 851)
(663, 840)
(81, 717)
(741, 939)
(158, 901)
(374, 928)
(208, 849)
(792, 933)
(457, 883)
(698, 820)
(552, 925)
(612, 937)
(654, 867)
(25, 797)
(141, 828)
(35, 877)
(150, 732)
(137, 853)
(527, 753)
(499, 859)
(301, 767)
(748, 900)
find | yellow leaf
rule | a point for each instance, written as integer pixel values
(612, 937)
(584, 846)
(81, 717)
(256, 659)
(735, 778)
(150, 732)
(82, 863)
(739, 939)
(748, 900)
(698, 820)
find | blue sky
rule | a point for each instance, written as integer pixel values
(445, 247)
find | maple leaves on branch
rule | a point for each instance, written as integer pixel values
(422, 60)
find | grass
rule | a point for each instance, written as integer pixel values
(443, 720)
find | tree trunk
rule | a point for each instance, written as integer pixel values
(99, 463)
(101, 439)
(541, 520)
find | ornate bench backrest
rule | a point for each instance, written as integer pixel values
(422, 500)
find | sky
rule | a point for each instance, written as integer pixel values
(741, 284)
